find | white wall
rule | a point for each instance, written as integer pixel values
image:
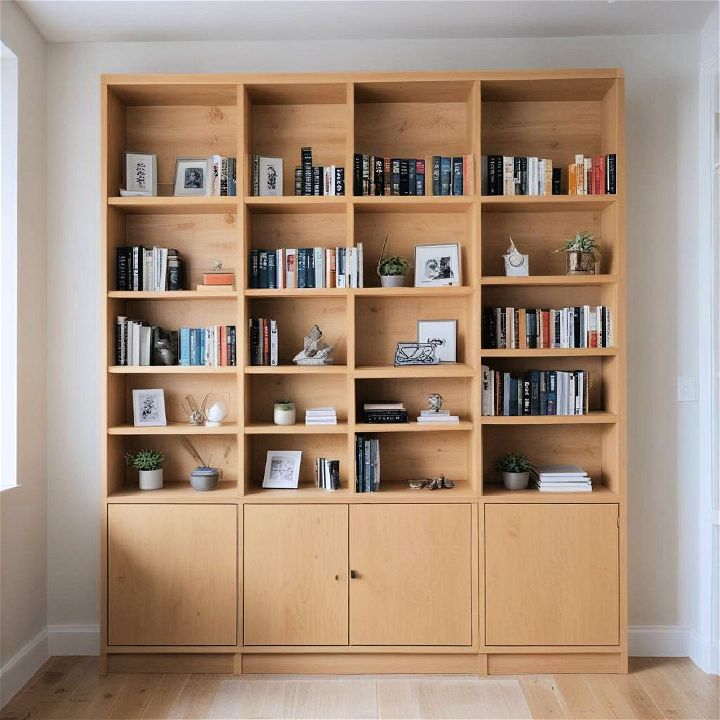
(661, 100)
(23, 535)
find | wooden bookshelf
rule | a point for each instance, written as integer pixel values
(313, 538)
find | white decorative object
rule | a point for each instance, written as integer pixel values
(150, 479)
(443, 335)
(516, 264)
(215, 408)
(140, 175)
(192, 176)
(149, 408)
(270, 176)
(284, 413)
(282, 469)
(437, 265)
(315, 351)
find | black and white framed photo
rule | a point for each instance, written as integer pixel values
(270, 176)
(282, 469)
(192, 176)
(437, 265)
(443, 335)
(149, 408)
(140, 174)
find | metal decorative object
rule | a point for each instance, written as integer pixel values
(436, 483)
(195, 415)
(415, 353)
(516, 264)
(315, 351)
(435, 401)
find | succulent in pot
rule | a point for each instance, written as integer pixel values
(391, 268)
(284, 412)
(581, 255)
(515, 469)
(149, 466)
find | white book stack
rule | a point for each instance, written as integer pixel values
(442, 416)
(561, 478)
(321, 416)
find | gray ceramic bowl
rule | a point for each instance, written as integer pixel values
(204, 478)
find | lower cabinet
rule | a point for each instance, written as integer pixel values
(551, 574)
(172, 574)
(379, 574)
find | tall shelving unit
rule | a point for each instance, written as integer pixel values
(501, 617)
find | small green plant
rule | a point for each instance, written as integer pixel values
(582, 242)
(392, 264)
(284, 404)
(145, 459)
(513, 463)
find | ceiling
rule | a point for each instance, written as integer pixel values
(153, 20)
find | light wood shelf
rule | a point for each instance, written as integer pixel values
(168, 205)
(296, 369)
(498, 494)
(174, 492)
(173, 295)
(545, 203)
(176, 428)
(296, 429)
(589, 419)
(415, 371)
(414, 426)
(549, 352)
(291, 204)
(416, 203)
(172, 370)
(540, 280)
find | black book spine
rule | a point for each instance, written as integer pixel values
(310, 268)
(339, 180)
(495, 174)
(365, 175)
(232, 345)
(412, 177)
(517, 178)
(307, 170)
(523, 176)
(489, 341)
(556, 181)
(379, 176)
(531, 321)
(122, 275)
(457, 181)
(357, 174)
(301, 267)
(262, 269)
(576, 323)
(611, 174)
(436, 175)
(395, 176)
(298, 181)
(404, 177)
(175, 272)
(317, 180)
(120, 341)
(526, 394)
(419, 177)
(534, 392)
(271, 269)
(254, 269)
(445, 175)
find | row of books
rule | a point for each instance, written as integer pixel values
(317, 179)
(321, 416)
(384, 413)
(595, 175)
(560, 478)
(367, 463)
(583, 326)
(223, 178)
(374, 175)
(212, 346)
(263, 335)
(306, 268)
(139, 344)
(152, 269)
(327, 474)
(536, 392)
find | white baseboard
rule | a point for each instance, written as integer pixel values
(703, 654)
(22, 666)
(658, 641)
(73, 639)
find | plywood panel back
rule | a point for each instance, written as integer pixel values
(273, 230)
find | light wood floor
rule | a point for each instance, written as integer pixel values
(71, 688)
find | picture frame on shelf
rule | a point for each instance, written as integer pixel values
(270, 180)
(415, 353)
(140, 175)
(443, 335)
(149, 408)
(282, 469)
(192, 177)
(438, 265)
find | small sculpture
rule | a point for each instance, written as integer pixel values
(516, 264)
(315, 351)
(435, 401)
(416, 353)
(195, 415)
(163, 351)
(436, 483)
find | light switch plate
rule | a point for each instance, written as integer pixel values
(687, 388)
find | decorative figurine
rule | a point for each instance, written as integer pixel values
(436, 483)
(416, 353)
(516, 264)
(195, 415)
(435, 401)
(315, 351)
(215, 407)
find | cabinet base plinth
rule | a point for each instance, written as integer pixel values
(357, 663)
(519, 663)
(216, 663)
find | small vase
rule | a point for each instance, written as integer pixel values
(392, 280)
(204, 478)
(582, 263)
(284, 413)
(516, 480)
(151, 479)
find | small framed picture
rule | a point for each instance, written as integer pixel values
(140, 174)
(443, 335)
(437, 265)
(192, 176)
(282, 469)
(271, 176)
(149, 408)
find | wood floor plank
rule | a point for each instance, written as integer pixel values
(95, 701)
(541, 696)
(672, 700)
(196, 697)
(163, 701)
(397, 699)
(347, 698)
(514, 698)
(578, 700)
(623, 697)
(134, 697)
(702, 689)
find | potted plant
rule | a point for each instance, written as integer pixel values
(391, 269)
(284, 412)
(203, 477)
(515, 469)
(149, 466)
(581, 255)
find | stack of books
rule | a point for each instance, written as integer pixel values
(318, 180)
(394, 412)
(592, 175)
(212, 346)
(508, 175)
(327, 474)
(321, 416)
(263, 341)
(151, 269)
(561, 478)
(224, 176)
(217, 280)
(367, 464)
(441, 416)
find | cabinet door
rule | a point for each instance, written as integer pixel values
(412, 568)
(172, 574)
(295, 575)
(551, 574)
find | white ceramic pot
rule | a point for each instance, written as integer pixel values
(516, 481)
(284, 414)
(392, 280)
(151, 479)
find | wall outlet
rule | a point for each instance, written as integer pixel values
(687, 388)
